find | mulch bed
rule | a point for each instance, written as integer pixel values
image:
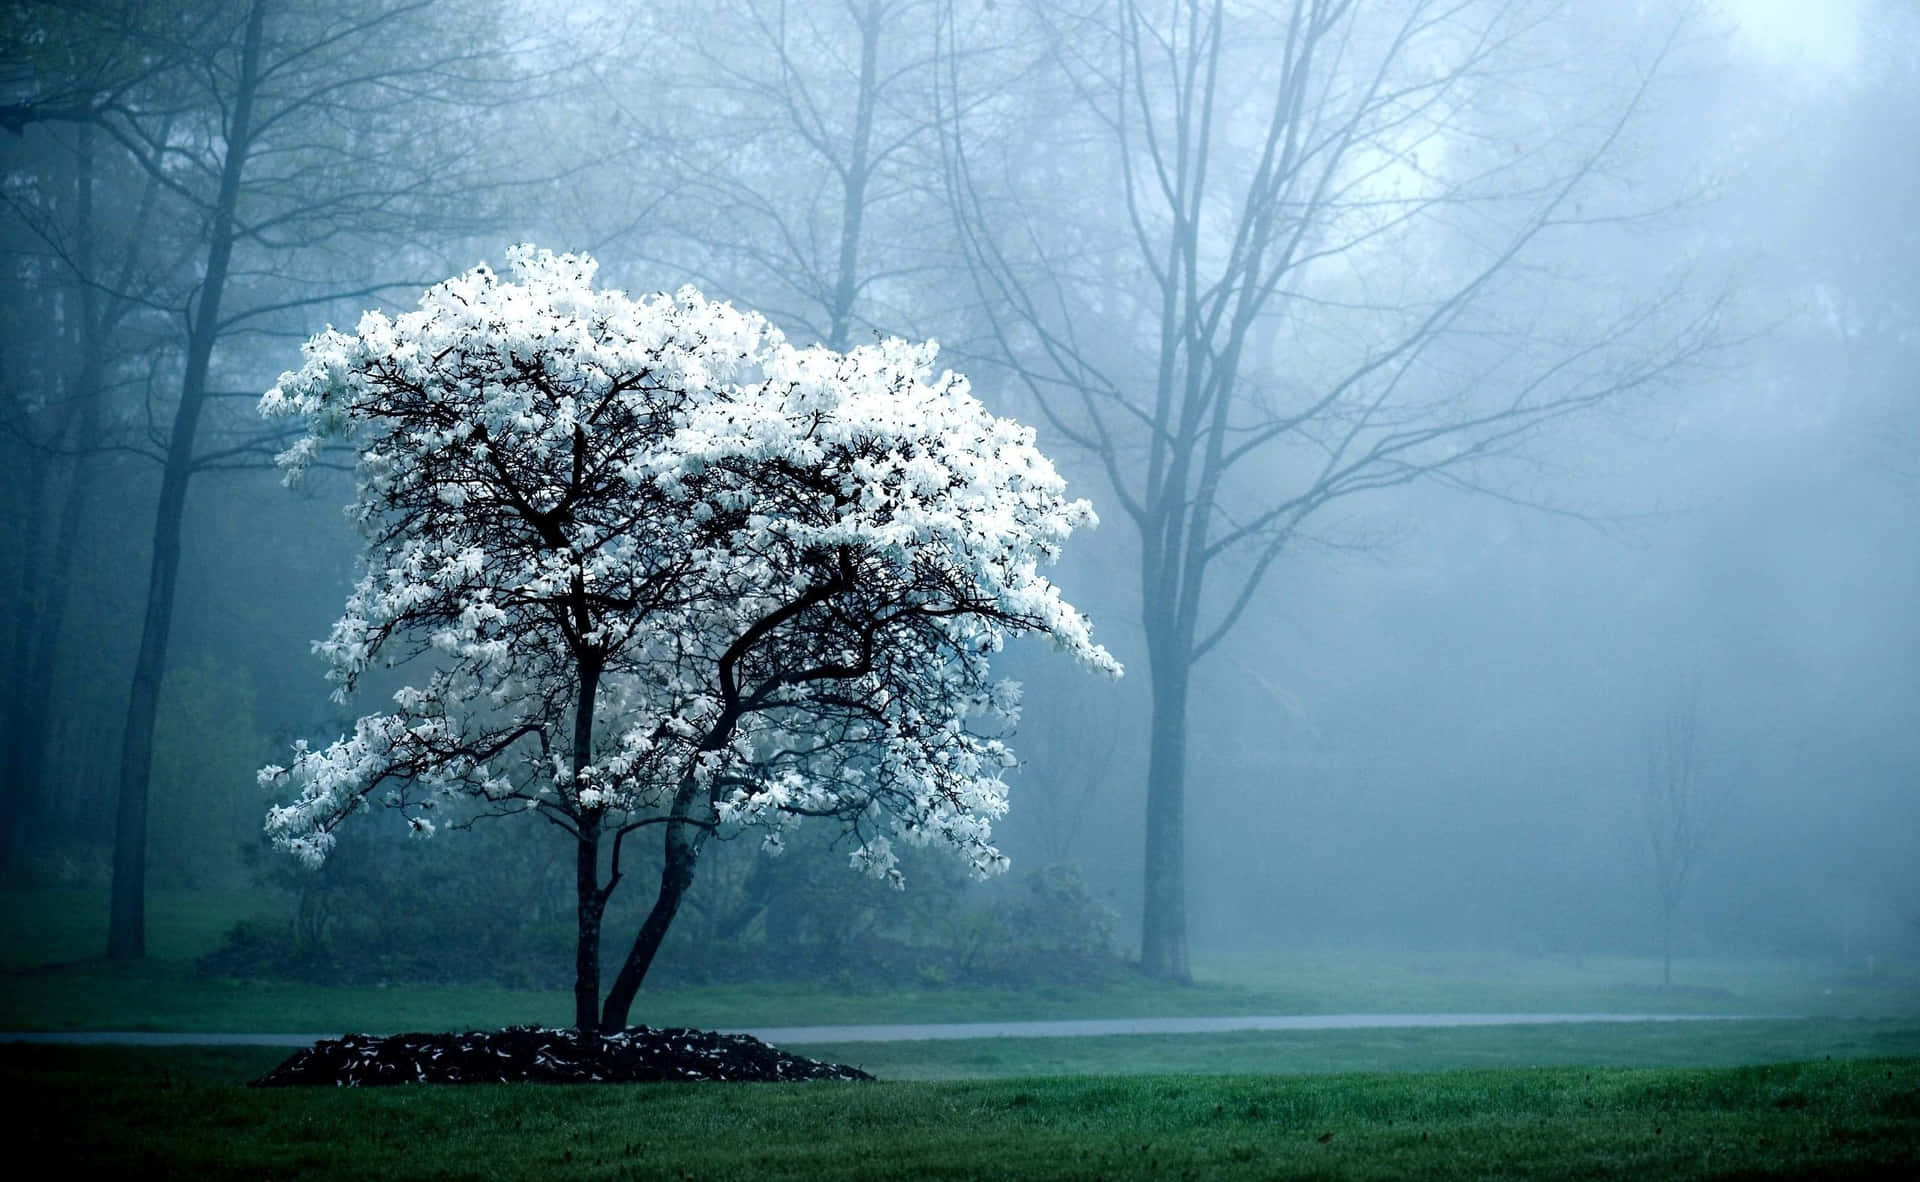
(537, 1054)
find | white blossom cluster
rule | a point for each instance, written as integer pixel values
(780, 572)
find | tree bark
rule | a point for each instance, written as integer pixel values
(1163, 928)
(25, 710)
(43, 619)
(1164, 895)
(684, 840)
(853, 206)
(126, 928)
(1666, 948)
(591, 900)
(591, 905)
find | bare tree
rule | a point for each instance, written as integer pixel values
(1258, 259)
(66, 61)
(84, 239)
(793, 156)
(1677, 811)
(1857, 276)
(284, 141)
(85, 337)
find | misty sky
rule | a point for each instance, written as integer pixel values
(1434, 723)
(1818, 34)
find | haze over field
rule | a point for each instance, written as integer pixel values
(1504, 420)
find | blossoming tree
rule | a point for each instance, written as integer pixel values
(652, 566)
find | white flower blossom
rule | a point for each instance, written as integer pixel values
(785, 569)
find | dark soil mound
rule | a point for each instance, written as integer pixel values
(533, 1053)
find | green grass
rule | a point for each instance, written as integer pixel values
(51, 978)
(1640, 1100)
(183, 1113)
(1367, 980)
(1302, 1052)
(174, 995)
(46, 926)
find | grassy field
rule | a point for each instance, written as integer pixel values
(1504, 981)
(1834, 1092)
(51, 978)
(47, 926)
(1305, 1052)
(184, 1113)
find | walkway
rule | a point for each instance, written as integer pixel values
(1080, 1028)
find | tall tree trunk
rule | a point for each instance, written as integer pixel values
(590, 898)
(590, 906)
(36, 672)
(1163, 929)
(1666, 947)
(25, 711)
(126, 928)
(43, 620)
(853, 206)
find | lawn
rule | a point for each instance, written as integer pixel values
(1370, 980)
(185, 1113)
(1838, 1092)
(45, 926)
(51, 978)
(1302, 1052)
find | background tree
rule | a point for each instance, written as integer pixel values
(659, 568)
(792, 158)
(302, 154)
(1279, 256)
(1677, 811)
(84, 247)
(68, 61)
(1858, 318)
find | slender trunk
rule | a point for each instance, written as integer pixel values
(1163, 930)
(683, 843)
(1666, 948)
(1169, 593)
(126, 932)
(591, 904)
(25, 710)
(36, 677)
(853, 208)
(44, 618)
(591, 899)
(126, 928)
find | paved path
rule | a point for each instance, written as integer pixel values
(1082, 1028)
(1092, 1027)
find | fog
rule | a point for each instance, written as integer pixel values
(1670, 477)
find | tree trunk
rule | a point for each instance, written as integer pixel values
(591, 904)
(26, 714)
(591, 900)
(43, 619)
(126, 928)
(853, 206)
(37, 670)
(1666, 948)
(1163, 930)
(683, 843)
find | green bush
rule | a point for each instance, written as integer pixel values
(487, 906)
(387, 908)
